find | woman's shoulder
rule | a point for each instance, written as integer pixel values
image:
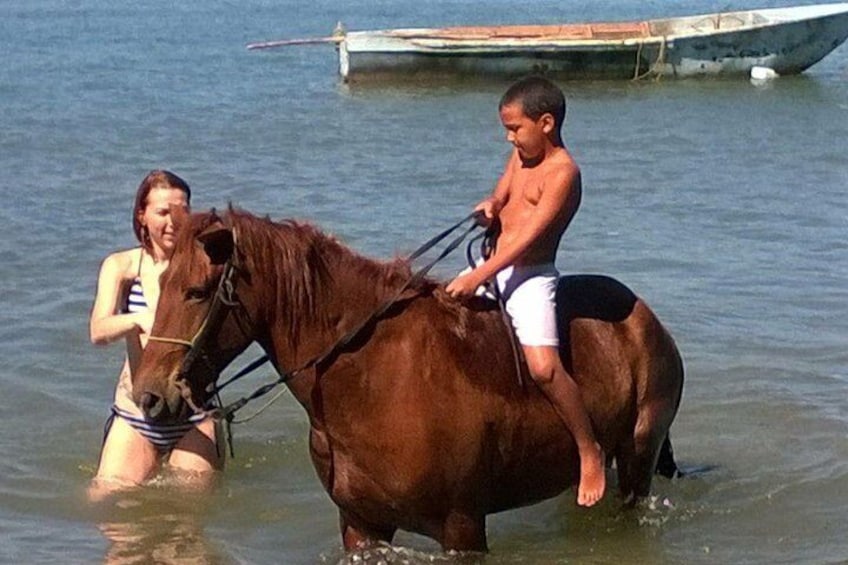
(122, 263)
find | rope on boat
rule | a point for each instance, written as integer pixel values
(656, 68)
(638, 58)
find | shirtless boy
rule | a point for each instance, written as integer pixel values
(535, 200)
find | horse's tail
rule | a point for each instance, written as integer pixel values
(666, 466)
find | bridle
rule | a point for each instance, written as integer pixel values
(223, 301)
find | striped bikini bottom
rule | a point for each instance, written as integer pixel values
(163, 437)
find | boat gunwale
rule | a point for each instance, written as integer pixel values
(429, 38)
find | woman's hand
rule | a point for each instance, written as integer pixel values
(144, 322)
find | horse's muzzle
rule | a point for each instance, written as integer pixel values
(160, 410)
(153, 405)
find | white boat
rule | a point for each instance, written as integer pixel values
(787, 40)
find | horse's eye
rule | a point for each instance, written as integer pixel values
(196, 293)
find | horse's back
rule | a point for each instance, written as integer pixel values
(600, 314)
(435, 370)
(611, 343)
(595, 297)
(628, 367)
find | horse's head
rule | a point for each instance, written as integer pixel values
(200, 323)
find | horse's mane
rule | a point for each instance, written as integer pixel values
(309, 261)
(306, 265)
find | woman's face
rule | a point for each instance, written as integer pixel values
(156, 216)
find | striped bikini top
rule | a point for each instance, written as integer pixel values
(135, 299)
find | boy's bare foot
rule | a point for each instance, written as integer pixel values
(592, 477)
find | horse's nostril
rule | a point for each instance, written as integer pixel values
(151, 404)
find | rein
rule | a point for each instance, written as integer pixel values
(225, 297)
(488, 242)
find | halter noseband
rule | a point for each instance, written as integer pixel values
(225, 296)
(224, 299)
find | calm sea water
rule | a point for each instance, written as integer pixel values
(722, 203)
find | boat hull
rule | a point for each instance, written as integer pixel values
(787, 40)
(790, 48)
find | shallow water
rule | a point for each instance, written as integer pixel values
(721, 203)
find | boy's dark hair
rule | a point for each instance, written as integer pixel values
(537, 96)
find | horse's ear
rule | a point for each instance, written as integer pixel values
(217, 241)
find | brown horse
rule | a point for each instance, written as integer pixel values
(420, 422)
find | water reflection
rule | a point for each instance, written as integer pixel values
(161, 539)
(157, 525)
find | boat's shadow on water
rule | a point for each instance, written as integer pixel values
(806, 85)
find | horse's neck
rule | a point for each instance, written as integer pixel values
(354, 290)
(324, 296)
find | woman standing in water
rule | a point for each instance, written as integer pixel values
(127, 293)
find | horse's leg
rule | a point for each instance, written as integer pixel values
(662, 382)
(464, 532)
(637, 457)
(631, 477)
(624, 456)
(357, 535)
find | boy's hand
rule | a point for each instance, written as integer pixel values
(463, 286)
(490, 209)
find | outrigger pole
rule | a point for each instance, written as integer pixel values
(337, 37)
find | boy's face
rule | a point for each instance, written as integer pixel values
(529, 136)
